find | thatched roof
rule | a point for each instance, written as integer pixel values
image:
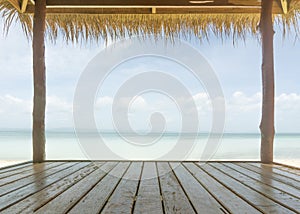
(85, 26)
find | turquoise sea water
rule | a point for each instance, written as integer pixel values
(16, 145)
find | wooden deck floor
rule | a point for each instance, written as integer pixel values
(149, 187)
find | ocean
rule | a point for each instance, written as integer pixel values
(16, 145)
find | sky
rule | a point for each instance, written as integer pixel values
(237, 68)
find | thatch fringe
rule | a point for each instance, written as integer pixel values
(81, 28)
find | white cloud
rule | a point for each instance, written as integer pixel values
(138, 103)
(103, 102)
(243, 111)
(288, 112)
(14, 105)
(240, 102)
(288, 102)
(16, 112)
(202, 102)
(56, 104)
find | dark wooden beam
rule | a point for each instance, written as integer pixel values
(163, 6)
(245, 2)
(153, 6)
(130, 3)
(159, 3)
(267, 120)
(39, 80)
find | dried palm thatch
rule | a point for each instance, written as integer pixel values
(94, 27)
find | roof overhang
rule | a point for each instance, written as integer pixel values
(151, 6)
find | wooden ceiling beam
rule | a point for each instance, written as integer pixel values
(137, 3)
(151, 6)
(157, 10)
(245, 2)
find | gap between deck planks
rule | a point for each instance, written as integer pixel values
(149, 187)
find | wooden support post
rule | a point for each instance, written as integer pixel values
(39, 79)
(267, 120)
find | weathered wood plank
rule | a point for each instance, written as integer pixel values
(134, 188)
(36, 168)
(282, 170)
(33, 202)
(269, 172)
(16, 196)
(197, 194)
(14, 167)
(98, 196)
(20, 170)
(268, 180)
(48, 170)
(290, 170)
(260, 185)
(232, 202)
(254, 198)
(122, 199)
(66, 200)
(149, 198)
(174, 198)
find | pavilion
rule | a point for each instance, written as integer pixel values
(43, 186)
(94, 19)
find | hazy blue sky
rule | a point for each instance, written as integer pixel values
(238, 70)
